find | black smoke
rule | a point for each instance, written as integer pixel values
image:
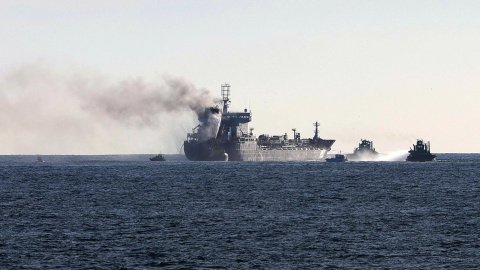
(210, 123)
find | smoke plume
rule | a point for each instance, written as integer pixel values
(210, 123)
(134, 101)
(61, 111)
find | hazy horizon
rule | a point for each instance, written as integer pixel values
(131, 77)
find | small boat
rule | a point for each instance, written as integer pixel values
(158, 157)
(337, 158)
(421, 152)
(39, 159)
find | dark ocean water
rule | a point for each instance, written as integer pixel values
(125, 212)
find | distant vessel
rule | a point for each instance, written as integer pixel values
(421, 152)
(231, 140)
(158, 157)
(337, 158)
(364, 151)
(39, 159)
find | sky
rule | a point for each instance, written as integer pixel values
(126, 77)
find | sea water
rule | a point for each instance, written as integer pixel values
(126, 212)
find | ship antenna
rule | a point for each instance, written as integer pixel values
(316, 124)
(225, 96)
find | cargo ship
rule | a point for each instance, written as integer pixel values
(364, 152)
(421, 152)
(232, 140)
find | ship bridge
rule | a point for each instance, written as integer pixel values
(234, 124)
(237, 117)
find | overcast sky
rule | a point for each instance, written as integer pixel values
(74, 75)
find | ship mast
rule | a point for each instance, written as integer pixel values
(316, 124)
(225, 97)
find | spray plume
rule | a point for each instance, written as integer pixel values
(399, 155)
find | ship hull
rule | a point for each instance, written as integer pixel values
(250, 151)
(278, 155)
(421, 158)
(335, 160)
(204, 151)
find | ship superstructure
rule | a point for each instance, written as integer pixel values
(234, 141)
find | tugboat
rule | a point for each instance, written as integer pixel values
(364, 151)
(421, 152)
(158, 157)
(337, 158)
